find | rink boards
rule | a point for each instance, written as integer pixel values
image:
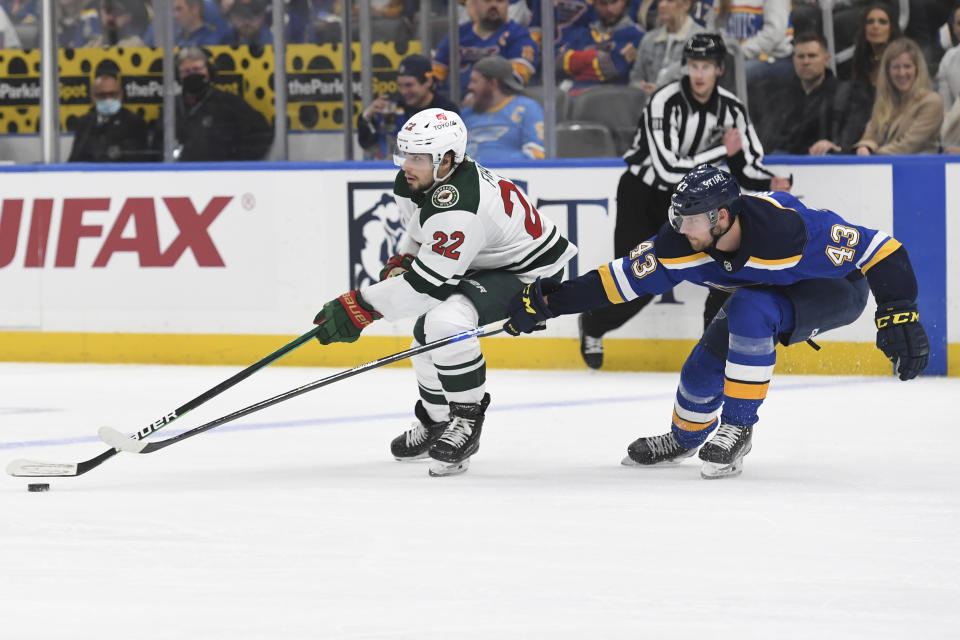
(221, 264)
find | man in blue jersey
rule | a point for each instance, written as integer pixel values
(796, 273)
(503, 125)
(489, 34)
(602, 51)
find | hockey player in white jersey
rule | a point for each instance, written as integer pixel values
(472, 240)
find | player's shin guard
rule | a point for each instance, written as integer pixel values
(754, 319)
(698, 398)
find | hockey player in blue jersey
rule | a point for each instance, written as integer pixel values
(796, 272)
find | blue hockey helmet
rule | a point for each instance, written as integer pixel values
(704, 190)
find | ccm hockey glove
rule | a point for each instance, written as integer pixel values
(397, 265)
(529, 310)
(901, 337)
(342, 319)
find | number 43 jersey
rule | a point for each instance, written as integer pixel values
(782, 242)
(473, 221)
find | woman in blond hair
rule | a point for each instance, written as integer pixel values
(907, 114)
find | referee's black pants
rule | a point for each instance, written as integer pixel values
(641, 211)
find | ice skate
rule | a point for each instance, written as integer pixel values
(723, 455)
(660, 450)
(591, 349)
(461, 439)
(414, 443)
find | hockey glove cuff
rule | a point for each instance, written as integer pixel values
(528, 309)
(901, 337)
(397, 265)
(342, 319)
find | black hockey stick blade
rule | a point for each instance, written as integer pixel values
(36, 469)
(118, 440)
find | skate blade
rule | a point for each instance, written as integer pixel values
(715, 471)
(422, 456)
(442, 469)
(630, 462)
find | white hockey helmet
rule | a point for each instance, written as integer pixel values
(434, 132)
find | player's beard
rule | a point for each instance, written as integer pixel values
(489, 23)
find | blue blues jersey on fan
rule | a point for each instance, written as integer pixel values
(511, 41)
(783, 242)
(567, 15)
(513, 130)
(592, 56)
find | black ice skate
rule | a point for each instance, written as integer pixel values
(657, 450)
(590, 348)
(461, 439)
(414, 443)
(723, 455)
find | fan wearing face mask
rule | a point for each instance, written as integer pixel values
(213, 125)
(109, 132)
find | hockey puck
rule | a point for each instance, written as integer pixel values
(39, 486)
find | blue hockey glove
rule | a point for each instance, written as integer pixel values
(901, 337)
(342, 319)
(529, 310)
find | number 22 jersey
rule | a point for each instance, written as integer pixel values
(473, 221)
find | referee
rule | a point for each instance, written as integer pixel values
(686, 123)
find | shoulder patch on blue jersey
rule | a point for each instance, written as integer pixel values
(446, 195)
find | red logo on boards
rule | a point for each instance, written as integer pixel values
(193, 230)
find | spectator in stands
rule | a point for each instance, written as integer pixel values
(109, 132)
(949, 33)
(603, 51)
(878, 28)
(503, 125)
(490, 33)
(948, 73)
(214, 124)
(906, 114)
(658, 59)
(805, 117)
(78, 24)
(192, 24)
(248, 24)
(379, 123)
(567, 15)
(686, 123)
(22, 12)
(123, 23)
(8, 33)
(762, 27)
(950, 131)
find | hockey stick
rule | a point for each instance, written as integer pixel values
(118, 440)
(34, 469)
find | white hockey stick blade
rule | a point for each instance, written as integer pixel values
(32, 468)
(120, 441)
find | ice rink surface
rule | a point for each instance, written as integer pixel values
(297, 523)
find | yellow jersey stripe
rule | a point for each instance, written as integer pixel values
(687, 425)
(745, 391)
(888, 247)
(609, 286)
(773, 263)
(683, 259)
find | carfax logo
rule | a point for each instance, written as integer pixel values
(445, 196)
(375, 229)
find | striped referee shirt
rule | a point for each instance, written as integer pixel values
(676, 133)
